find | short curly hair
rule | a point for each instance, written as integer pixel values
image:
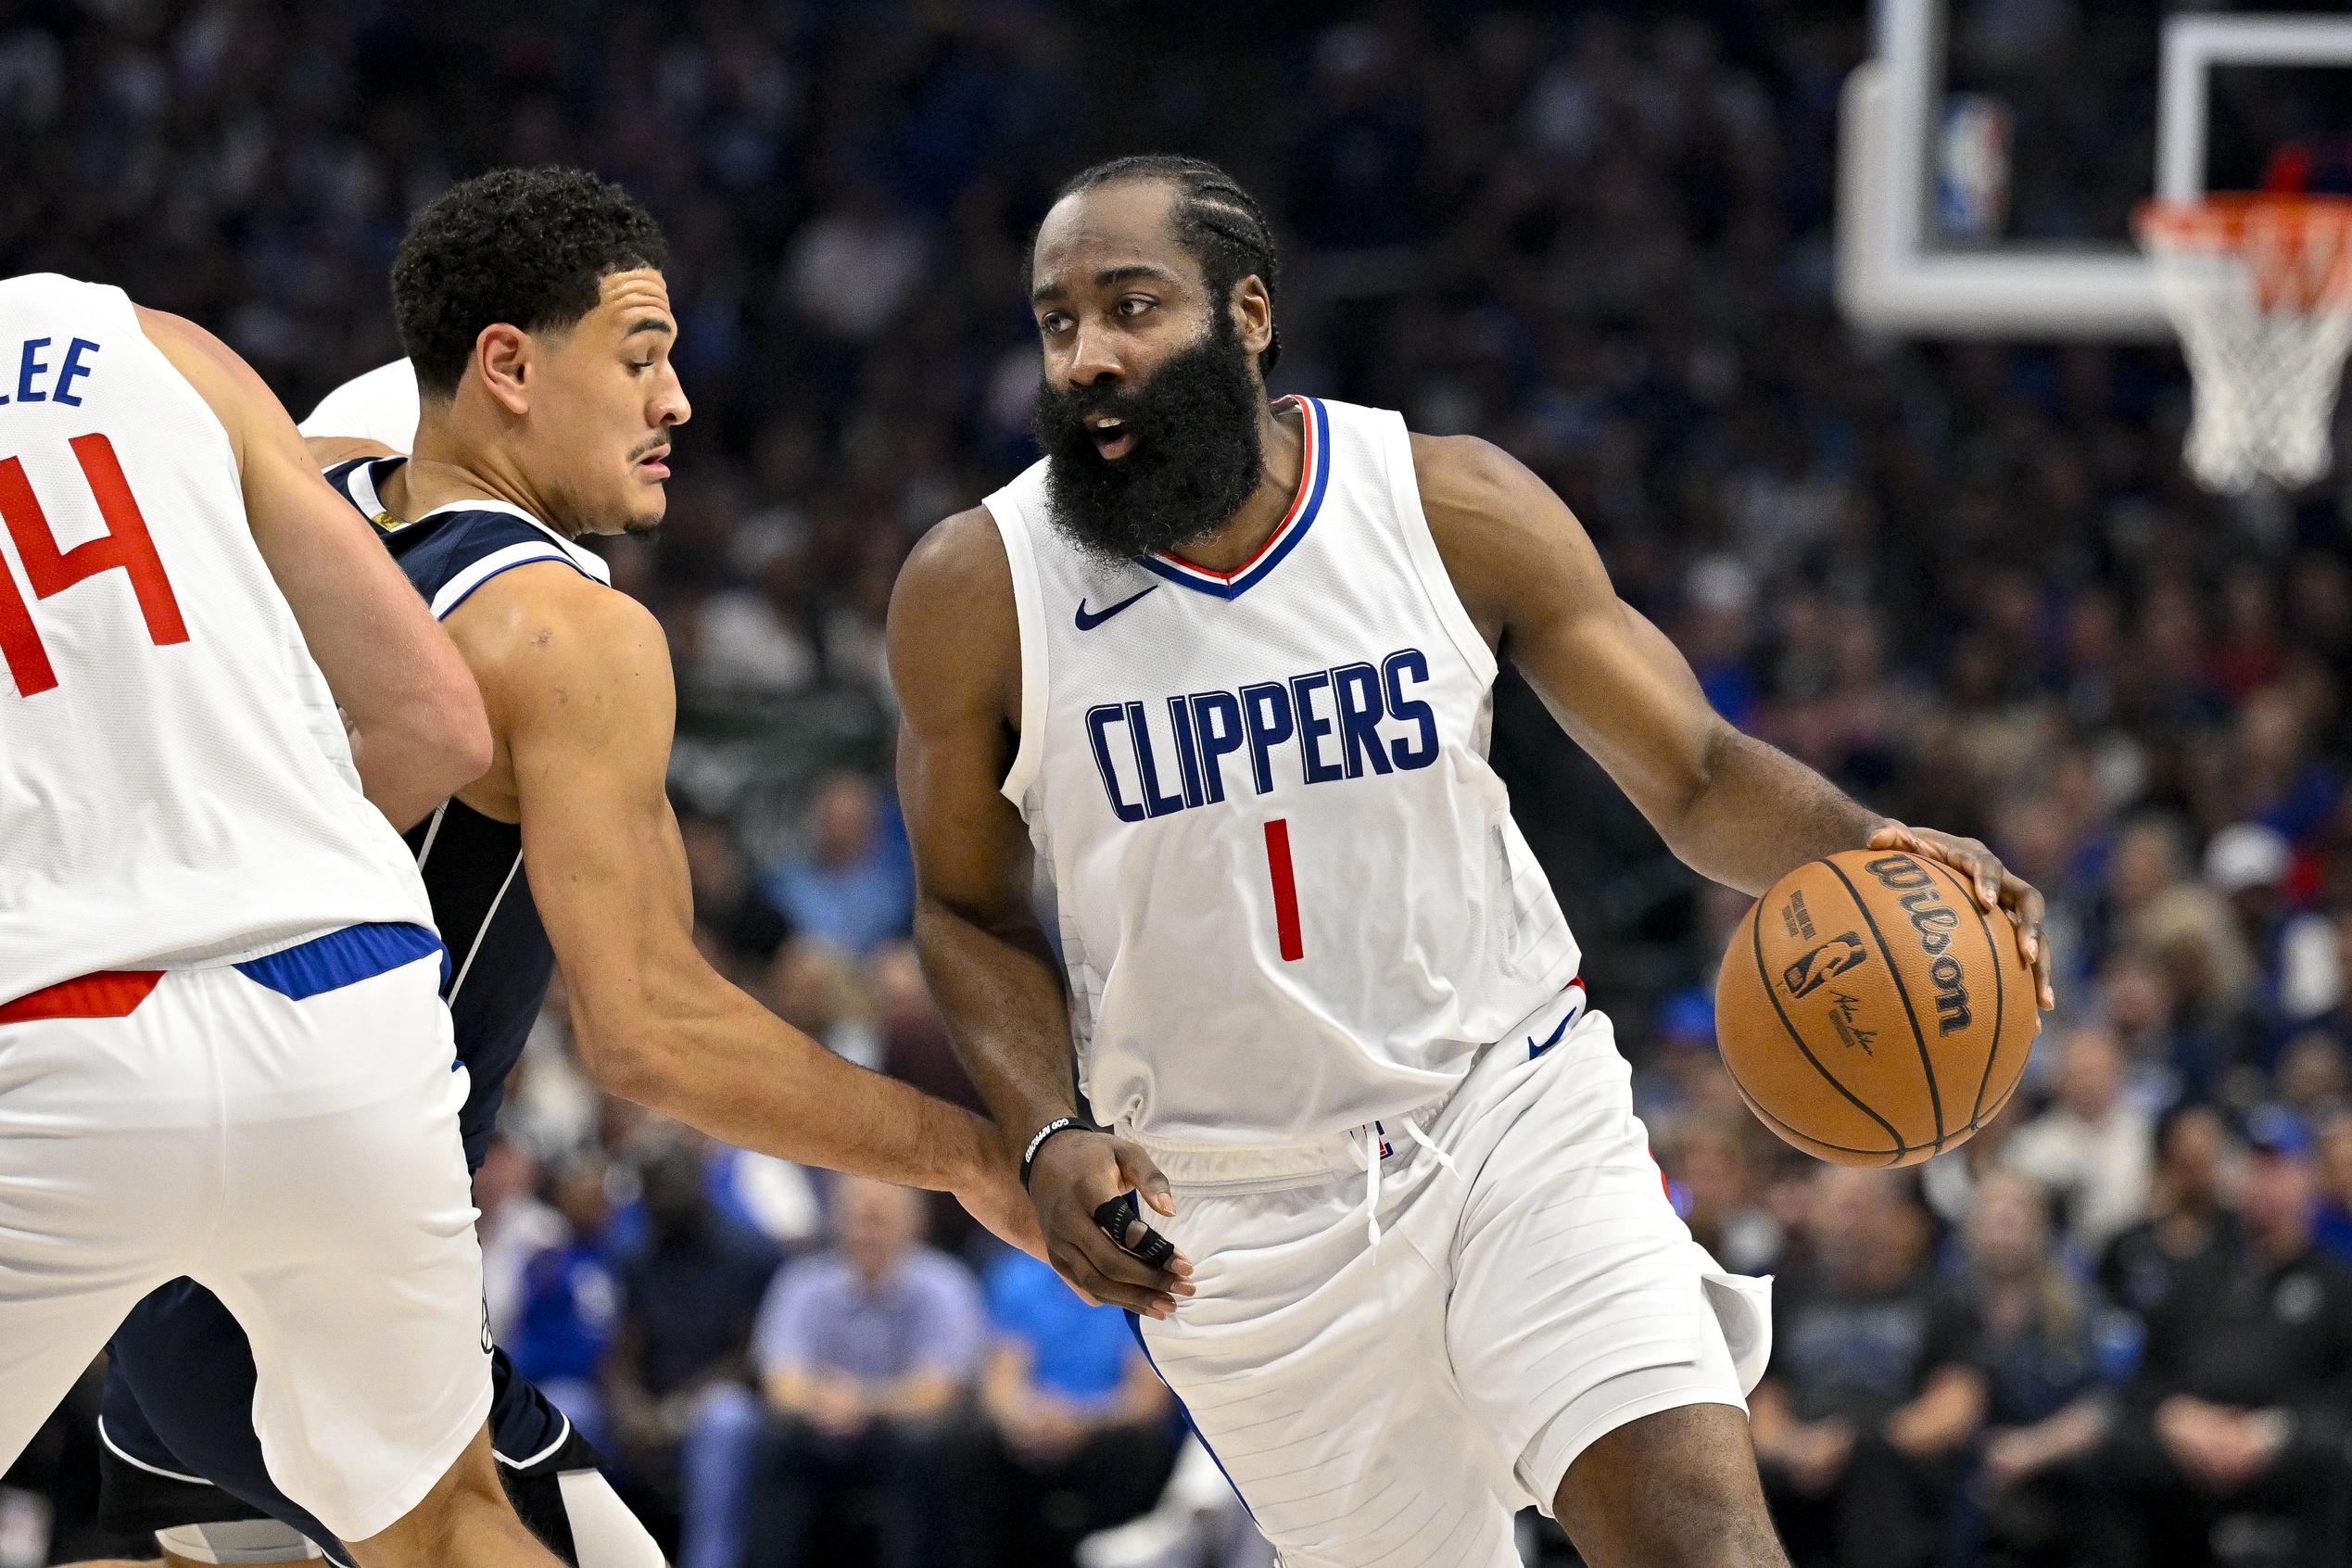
(526, 247)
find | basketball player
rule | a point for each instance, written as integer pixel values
(221, 1049)
(1226, 667)
(533, 306)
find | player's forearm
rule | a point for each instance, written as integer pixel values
(1000, 991)
(410, 762)
(707, 1054)
(1758, 813)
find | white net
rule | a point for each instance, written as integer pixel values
(2260, 290)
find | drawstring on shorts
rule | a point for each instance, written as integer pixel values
(1367, 1147)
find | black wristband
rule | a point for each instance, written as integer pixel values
(1029, 1158)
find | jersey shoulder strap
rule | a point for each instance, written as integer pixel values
(453, 549)
(358, 481)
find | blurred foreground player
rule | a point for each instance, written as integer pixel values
(535, 312)
(221, 1052)
(1228, 668)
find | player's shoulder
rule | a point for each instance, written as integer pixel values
(1468, 478)
(964, 552)
(957, 585)
(954, 626)
(556, 652)
(561, 604)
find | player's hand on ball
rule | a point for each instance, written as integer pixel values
(1077, 1172)
(1995, 886)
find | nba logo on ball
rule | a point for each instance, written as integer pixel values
(1890, 1039)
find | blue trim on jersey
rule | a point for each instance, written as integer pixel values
(1135, 1327)
(1286, 538)
(344, 958)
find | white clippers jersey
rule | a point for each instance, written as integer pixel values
(175, 784)
(1291, 896)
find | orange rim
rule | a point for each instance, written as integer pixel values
(2298, 248)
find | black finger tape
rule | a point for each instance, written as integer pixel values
(1115, 1215)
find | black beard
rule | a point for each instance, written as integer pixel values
(1195, 458)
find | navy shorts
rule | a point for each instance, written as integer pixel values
(176, 1421)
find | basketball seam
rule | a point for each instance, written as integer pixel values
(1935, 1097)
(1755, 1105)
(1755, 937)
(1976, 1114)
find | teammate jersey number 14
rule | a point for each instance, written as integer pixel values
(49, 570)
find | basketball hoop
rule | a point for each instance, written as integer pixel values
(2259, 287)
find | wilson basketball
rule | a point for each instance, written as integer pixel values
(1871, 1013)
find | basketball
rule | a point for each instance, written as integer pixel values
(1871, 1013)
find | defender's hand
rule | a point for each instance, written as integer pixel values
(1996, 887)
(1077, 1172)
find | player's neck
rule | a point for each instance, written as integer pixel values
(1239, 537)
(444, 470)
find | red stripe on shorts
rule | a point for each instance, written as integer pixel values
(109, 994)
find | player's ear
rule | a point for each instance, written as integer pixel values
(1252, 315)
(500, 356)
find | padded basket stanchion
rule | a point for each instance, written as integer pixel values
(2259, 287)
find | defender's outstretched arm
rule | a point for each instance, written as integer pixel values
(578, 682)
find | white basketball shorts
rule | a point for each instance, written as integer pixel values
(1394, 1401)
(297, 1157)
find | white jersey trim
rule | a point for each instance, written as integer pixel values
(1421, 545)
(561, 1439)
(116, 1450)
(558, 548)
(362, 482)
(1029, 609)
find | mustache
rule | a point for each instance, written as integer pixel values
(638, 452)
(1074, 404)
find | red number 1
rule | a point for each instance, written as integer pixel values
(1285, 890)
(51, 571)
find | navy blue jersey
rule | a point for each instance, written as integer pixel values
(499, 958)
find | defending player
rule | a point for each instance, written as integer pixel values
(221, 1052)
(1228, 667)
(533, 306)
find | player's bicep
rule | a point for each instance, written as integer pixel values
(953, 647)
(1527, 569)
(586, 701)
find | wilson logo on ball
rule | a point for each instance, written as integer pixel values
(1934, 920)
(1831, 958)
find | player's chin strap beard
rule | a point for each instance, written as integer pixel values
(1367, 1147)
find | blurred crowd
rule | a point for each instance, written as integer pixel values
(1969, 583)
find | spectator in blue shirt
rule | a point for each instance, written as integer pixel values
(863, 1354)
(1079, 1432)
(570, 1304)
(853, 886)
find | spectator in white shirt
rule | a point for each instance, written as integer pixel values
(2093, 1150)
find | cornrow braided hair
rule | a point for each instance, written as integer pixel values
(1220, 222)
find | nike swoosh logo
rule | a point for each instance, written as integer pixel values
(1088, 623)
